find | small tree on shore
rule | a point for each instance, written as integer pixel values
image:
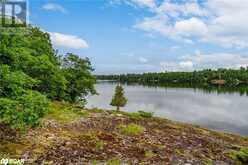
(119, 100)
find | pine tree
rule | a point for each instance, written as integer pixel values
(119, 100)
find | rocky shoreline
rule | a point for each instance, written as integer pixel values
(110, 137)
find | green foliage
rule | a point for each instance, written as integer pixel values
(145, 114)
(33, 55)
(24, 110)
(96, 110)
(100, 145)
(13, 83)
(58, 78)
(131, 129)
(231, 77)
(94, 162)
(31, 72)
(80, 81)
(65, 113)
(119, 100)
(149, 154)
(241, 156)
(134, 115)
(208, 162)
(113, 162)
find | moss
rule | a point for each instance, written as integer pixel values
(159, 146)
(90, 136)
(140, 115)
(134, 115)
(131, 129)
(202, 131)
(93, 162)
(100, 145)
(208, 162)
(113, 162)
(149, 154)
(96, 139)
(179, 152)
(13, 149)
(96, 110)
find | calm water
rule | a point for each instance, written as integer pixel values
(226, 111)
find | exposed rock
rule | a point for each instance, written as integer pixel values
(97, 138)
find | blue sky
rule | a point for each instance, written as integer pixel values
(135, 36)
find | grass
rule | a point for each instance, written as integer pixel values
(208, 162)
(145, 114)
(135, 115)
(64, 113)
(96, 110)
(94, 162)
(113, 162)
(131, 129)
(93, 138)
(240, 156)
(98, 139)
(149, 154)
(100, 145)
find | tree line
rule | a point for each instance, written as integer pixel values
(32, 74)
(227, 77)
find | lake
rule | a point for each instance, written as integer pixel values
(227, 111)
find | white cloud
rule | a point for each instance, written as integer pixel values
(135, 3)
(186, 64)
(199, 61)
(142, 60)
(54, 7)
(191, 27)
(222, 22)
(145, 3)
(68, 41)
(217, 60)
(182, 9)
(176, 66)
(159, 24)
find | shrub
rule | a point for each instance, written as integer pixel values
(241, 156)
(131, 129)
(23, 111)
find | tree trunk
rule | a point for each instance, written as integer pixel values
(118, 108)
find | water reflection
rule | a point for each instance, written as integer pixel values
(218, 109)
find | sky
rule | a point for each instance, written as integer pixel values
(136, 36)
